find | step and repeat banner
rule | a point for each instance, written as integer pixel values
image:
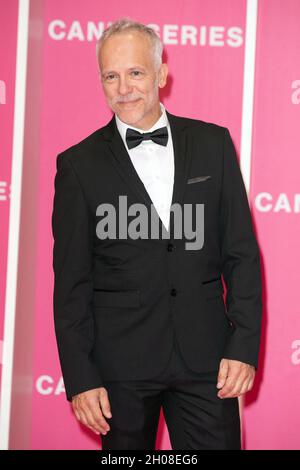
(8, 44)
(272, 411)
(205, 51)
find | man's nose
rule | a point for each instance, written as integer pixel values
(124, 86)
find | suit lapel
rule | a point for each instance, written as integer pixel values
(124, 166)
(123, 163)
(182, 155)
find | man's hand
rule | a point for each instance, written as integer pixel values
(89, 408)
(235, 378)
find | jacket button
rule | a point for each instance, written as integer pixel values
(170, 247)
(173, 292)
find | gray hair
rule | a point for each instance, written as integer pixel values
(127, 24)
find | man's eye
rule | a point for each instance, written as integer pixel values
(110, 77)
(136, 73)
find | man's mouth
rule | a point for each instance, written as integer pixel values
(129, 103)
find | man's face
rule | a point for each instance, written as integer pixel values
(130, 79)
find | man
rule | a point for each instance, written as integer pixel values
(140, 321)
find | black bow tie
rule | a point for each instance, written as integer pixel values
(134, 138)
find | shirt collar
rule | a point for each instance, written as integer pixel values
(161, 122)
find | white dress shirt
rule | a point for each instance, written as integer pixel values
(154, 163)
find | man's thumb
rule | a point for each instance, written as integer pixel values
(223, 372)
(105, 406)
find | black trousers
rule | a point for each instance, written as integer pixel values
(196, 418)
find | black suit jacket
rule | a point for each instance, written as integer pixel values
(119, 302)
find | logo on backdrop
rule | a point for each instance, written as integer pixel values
(4, 191)
(282, 202)
(295, 96)
(47, 385)
(295, 356)
(4, 187)
(2, 92)
(170, 34)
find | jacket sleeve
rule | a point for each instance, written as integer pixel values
(241, 267)
(73, 281)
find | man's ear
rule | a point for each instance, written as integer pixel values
(162, 75)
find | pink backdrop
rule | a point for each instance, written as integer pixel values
(273, 411)
(204, 44)
(8, 42)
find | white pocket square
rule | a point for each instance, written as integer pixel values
(198, 179)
